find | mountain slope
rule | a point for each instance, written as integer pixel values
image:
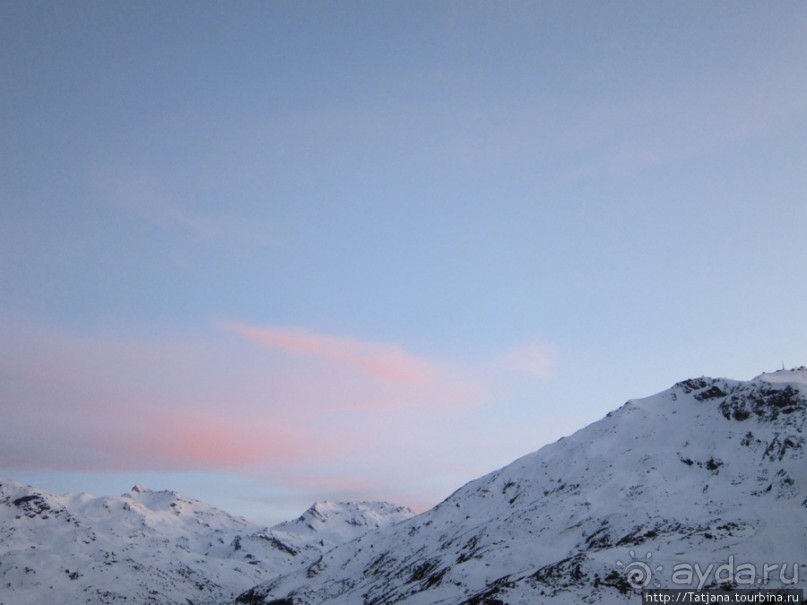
(295, 544)
(155, 546)
(709, 473)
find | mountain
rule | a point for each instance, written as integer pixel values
(702, 485)
(295, 544)
(156, 547)
(328, 524)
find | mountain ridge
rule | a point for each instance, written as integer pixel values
(690, 476)
(707, 473)
(149, 546)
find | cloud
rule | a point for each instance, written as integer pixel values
(326, 373)
(669, 124)
(535, 359)
(314, 414)
(95, 402)
(63, 426)
(150, 197)
(388, 362)
(118, 402)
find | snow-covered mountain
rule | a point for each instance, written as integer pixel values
(156, 546)
(702, 485)
(328, 524)
(296, 544)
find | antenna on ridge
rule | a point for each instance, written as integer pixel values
(783, 366)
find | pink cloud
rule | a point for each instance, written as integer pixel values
(89, 402)
(187, 441)
(205, 402)
(321, 415)
(390, 363)
(102, 435)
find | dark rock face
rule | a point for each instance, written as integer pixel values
(766, 403)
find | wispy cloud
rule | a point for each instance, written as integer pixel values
(667, 125)
(322, 413)
(388, 362)
(209, 402)
(164, 205)
(535, 359)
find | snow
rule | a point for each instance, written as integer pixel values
(706, 473)
(797, 376)
(700, 474)
(154, 546)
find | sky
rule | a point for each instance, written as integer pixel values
(267, 253)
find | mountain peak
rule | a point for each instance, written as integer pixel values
(709, 471)
(794, 375)
(692, 475)
(335, 522)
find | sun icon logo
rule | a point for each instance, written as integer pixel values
(638, 571)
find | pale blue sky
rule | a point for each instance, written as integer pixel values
(376, 249)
